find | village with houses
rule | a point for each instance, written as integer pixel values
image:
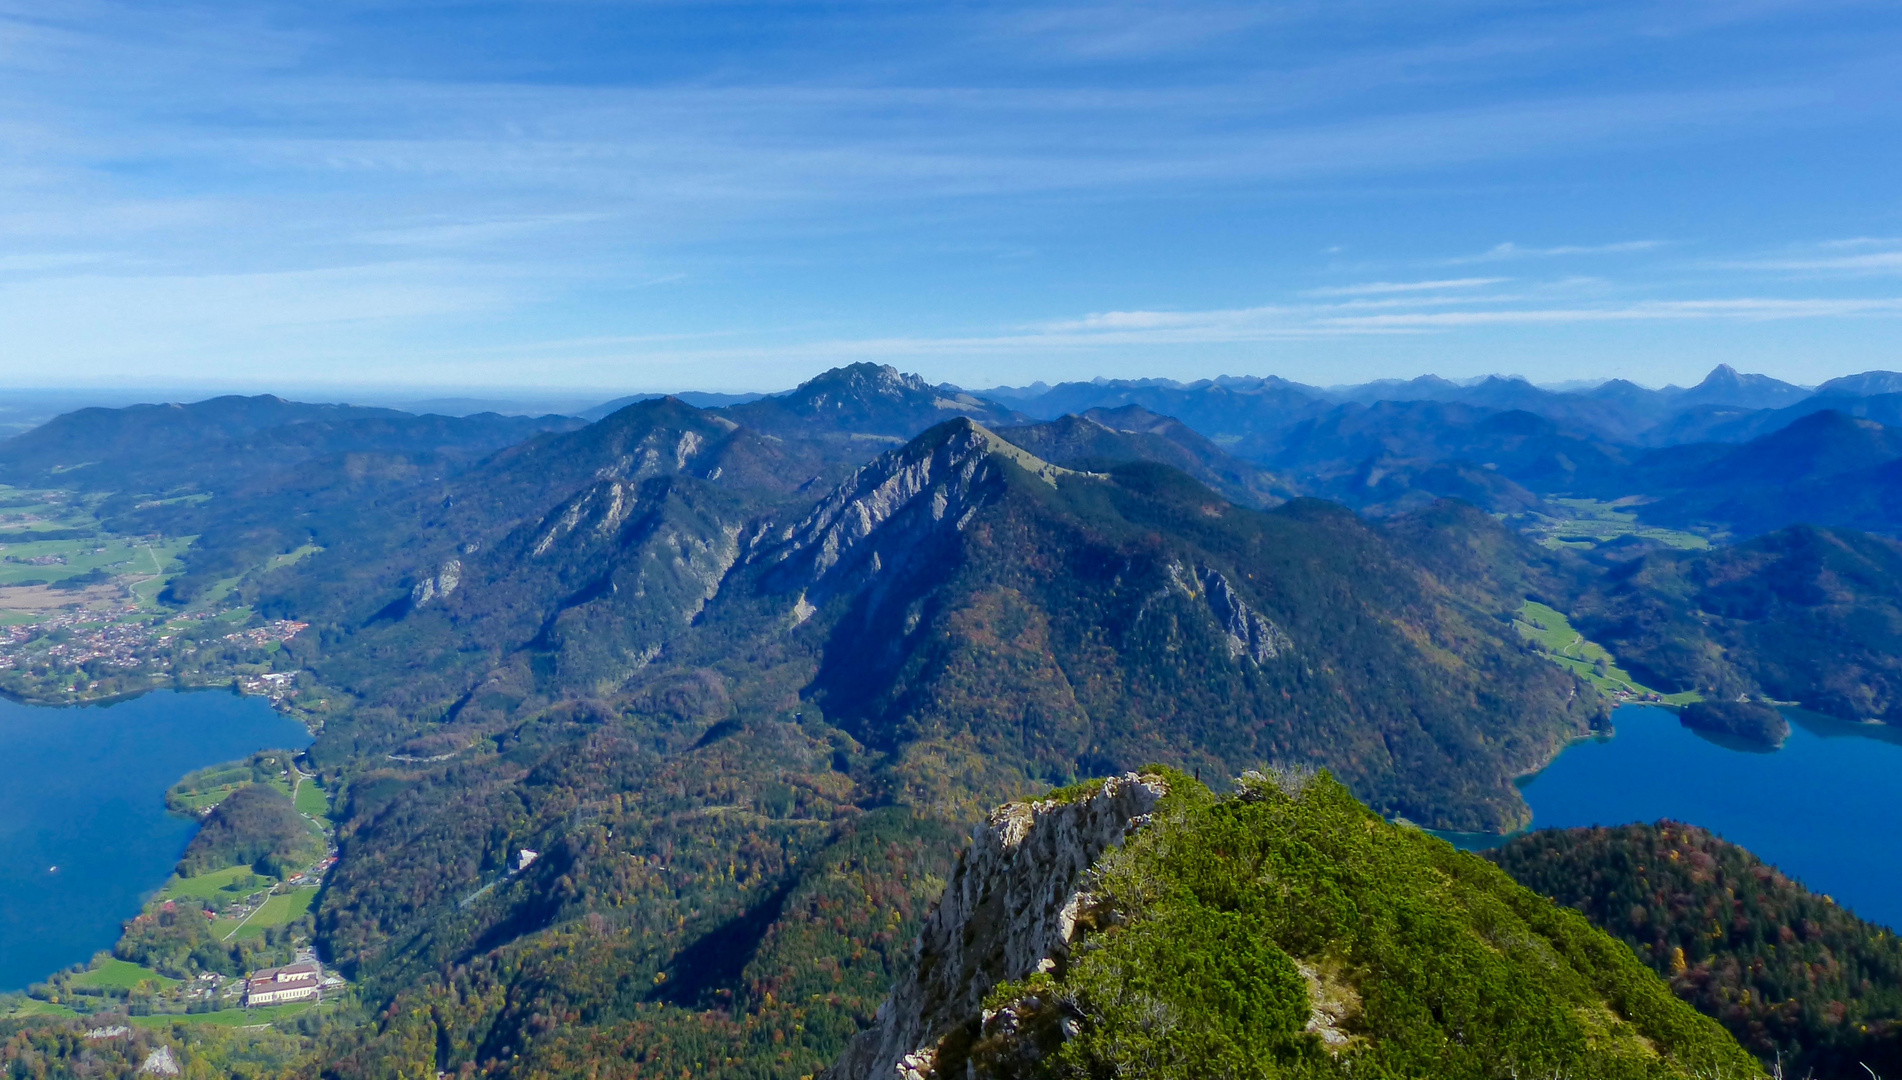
(82, 616)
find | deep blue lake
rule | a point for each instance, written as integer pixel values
(84, 833)
(1824, 809)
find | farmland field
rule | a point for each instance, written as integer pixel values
(120, 975)
(1568, 648)
(213, 886)
(281, 909)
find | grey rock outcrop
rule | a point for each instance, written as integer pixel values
(1009, 910)
(946, 480)
(444, 583)
(1250, 633)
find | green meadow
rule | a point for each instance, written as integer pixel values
(281, 909)
(1589, 522)
(120, 975)
(1587, 659)
(310, 798)
(226, 884)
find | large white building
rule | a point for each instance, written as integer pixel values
(301, 981)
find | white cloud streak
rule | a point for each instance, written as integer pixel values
(1381, 288)
(1509, 250)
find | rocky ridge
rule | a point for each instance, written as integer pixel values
(955, 470)
(1009, 911)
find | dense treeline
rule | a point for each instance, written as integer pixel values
(1789, 972)
(62, 1050)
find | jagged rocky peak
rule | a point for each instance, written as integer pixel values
(947, 473)
(1009, 911)
(864, 402)
(864, 381)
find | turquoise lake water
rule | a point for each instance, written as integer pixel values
(84, 833)
(1824, 809)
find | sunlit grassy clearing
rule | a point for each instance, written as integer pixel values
(311, 799)
(280, 910)
(120, 975)
(232, 1017)
(1571, 650)
(30, 1007)
(1598, 522)
(212, 885)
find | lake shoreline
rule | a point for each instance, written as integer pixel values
(1650, 767)
(85, 835)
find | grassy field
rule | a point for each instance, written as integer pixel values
(24, 514)
(264, 1014)
(1589, 522)
(29, 1007)
(1587, 659)
(110, 554)
(281, 909)
(120, 975)
(205, 797)
(212, 886)
(286, 559)
(311, 799)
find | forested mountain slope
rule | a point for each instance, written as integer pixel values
(739, 834)
(1789, 972)
(222, 444)
(1807, 615)
(253, 478)
(1824, 468)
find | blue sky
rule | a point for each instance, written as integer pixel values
(673, 194)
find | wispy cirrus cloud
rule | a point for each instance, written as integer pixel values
(1826, 259)
(1383, 288)
(1508, 250)
(1752, 309)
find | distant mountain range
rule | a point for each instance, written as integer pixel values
(746, 675)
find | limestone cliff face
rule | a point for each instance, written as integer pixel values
(929, 484)
(1009, 911)
(1250, 634)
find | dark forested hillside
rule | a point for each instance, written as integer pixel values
(252, 478)
(1333, 453)
(1787, 971)
(223, 443)
(1824, 468)
(1807, 615)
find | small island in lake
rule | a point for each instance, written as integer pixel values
(1752, 721)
